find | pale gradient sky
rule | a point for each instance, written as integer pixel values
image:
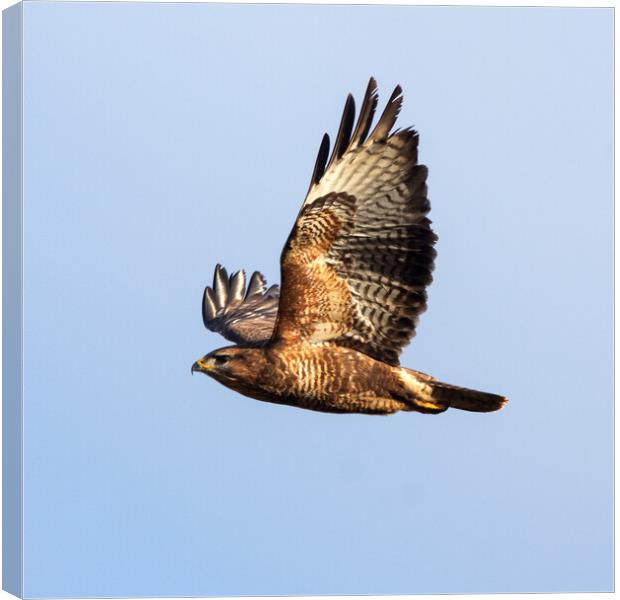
(163, 138)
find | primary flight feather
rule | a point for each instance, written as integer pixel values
(354, 270)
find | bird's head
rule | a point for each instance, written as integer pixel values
(231, 365)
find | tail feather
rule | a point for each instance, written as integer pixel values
(453, 396)
(425, 394)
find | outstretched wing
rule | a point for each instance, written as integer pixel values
(240, 315)
(357, 263)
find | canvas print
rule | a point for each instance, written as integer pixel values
(384, 235)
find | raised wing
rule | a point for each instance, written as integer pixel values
(357, 263)
(240, 315)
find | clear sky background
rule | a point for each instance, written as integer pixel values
(161, 139)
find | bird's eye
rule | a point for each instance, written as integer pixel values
(220, 359)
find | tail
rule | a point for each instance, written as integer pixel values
(453, 396)
(428, 395)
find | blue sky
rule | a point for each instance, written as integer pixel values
(161, 139)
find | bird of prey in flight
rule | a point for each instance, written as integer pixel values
(354, 272)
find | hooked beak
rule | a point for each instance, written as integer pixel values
(201, 366)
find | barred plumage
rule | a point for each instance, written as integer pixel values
(383, 249)
(355, 269)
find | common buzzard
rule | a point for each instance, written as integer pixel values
(354, 274)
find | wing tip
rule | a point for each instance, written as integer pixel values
(389, 116)
(367, 113)
(209, 310)
(343, 136)
(352, 134)
(320, 163)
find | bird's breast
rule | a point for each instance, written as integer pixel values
(318, 370)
